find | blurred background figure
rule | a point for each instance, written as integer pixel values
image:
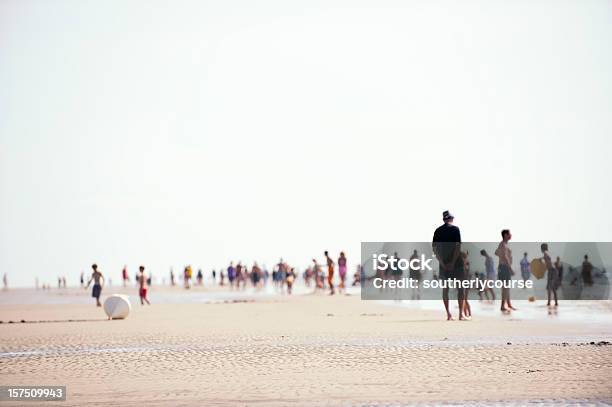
(124, 276)
(187, 277)
(525, 268)
(342, 271)
(587, 270)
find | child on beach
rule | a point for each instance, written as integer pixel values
(142, 285)
(98, 280)
(553, 281)
(490, 274)
(467, 275)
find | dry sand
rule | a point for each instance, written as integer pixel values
(300, 350)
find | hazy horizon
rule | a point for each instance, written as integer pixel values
(173, 133)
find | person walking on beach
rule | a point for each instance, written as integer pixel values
(82, 279)
(357, 275)
(446, 246)
(552, 281)
(559, 267)
(5, 282)
(416, 276)
(188, 273)
(587, 271)
(504, 270)
(342, 271)
(200, 277)
(98, 279)
(255, 275)
(489, 274)
(318, 275)
(231, 274)
(525, 268)
(142, 286)
(172, 281)
(290, 279)
(124, 276)
(330, 273)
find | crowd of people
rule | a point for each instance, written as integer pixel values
(238, 276)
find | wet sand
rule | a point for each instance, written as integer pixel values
(302, 350)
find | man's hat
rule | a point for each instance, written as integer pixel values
(447, 215)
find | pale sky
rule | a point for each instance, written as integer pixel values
(176, 132)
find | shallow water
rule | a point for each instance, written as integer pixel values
(587, 312)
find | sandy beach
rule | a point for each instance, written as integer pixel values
(301, 350)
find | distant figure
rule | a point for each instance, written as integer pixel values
(504, 270)
(342, 271)
(467, 310)
(587, 271)
(416, 276)
(357, 275)
(239, 274)
(124, 276)
(256, 275)
(559, 267)
(231, 274)
(59, 282)
(446, 244)
(489, 274)
(318, 275)
(5, 282)
(200, 277)
(552, 282)
(221, 278)
(330, 273)
(82, 279)
(187, 273)
(98, 280)
(64, 281)
(290, 279)
(172, 281)
(214, 276)
(525, 268)
(142, 287)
